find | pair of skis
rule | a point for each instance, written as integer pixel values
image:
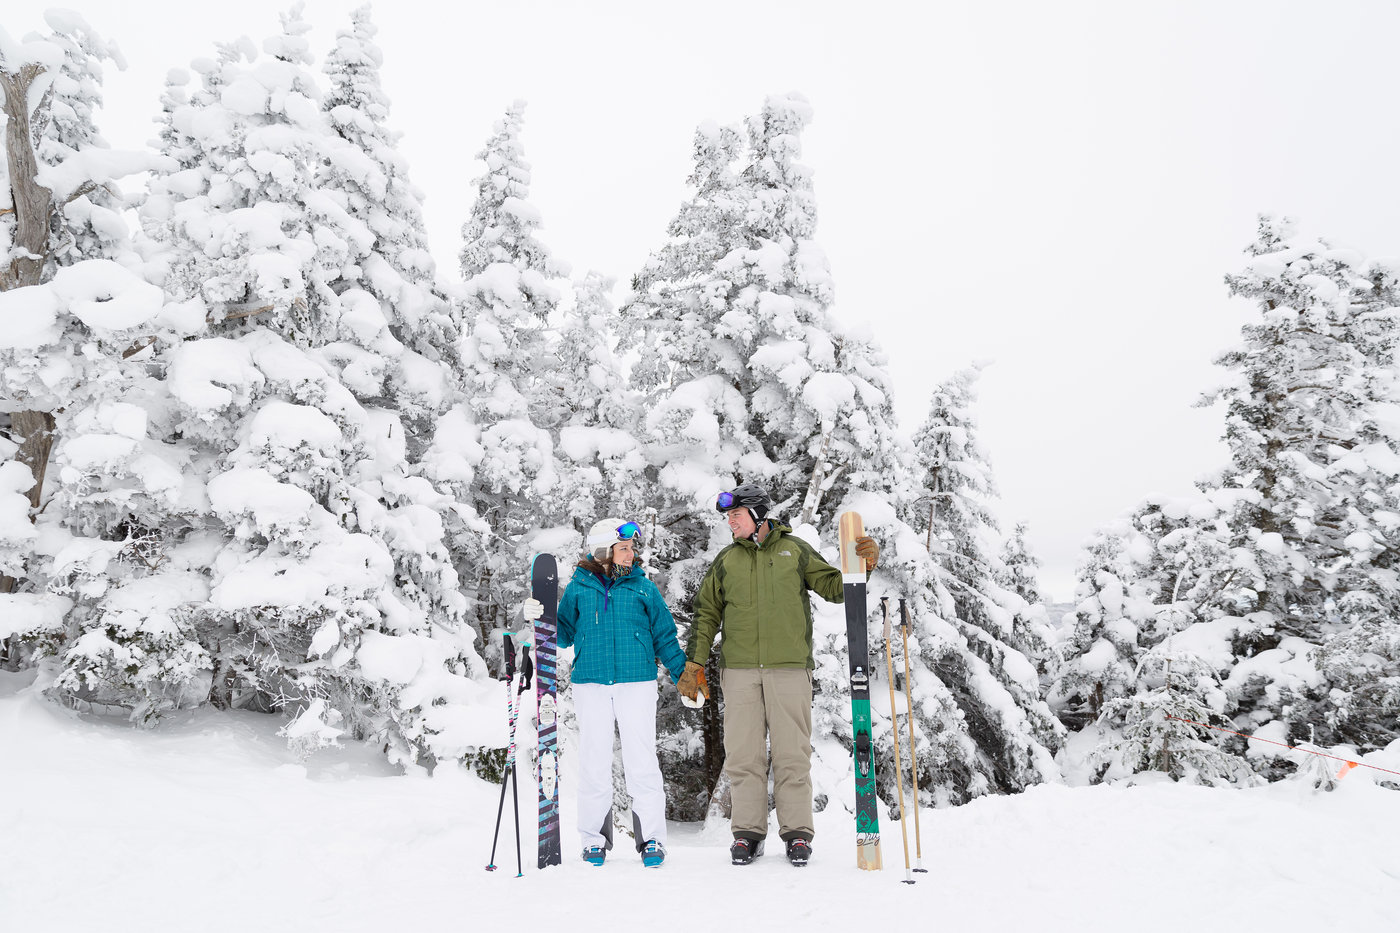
(853, 573)
(544, 587)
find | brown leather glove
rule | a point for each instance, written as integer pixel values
(693, 681)
(869, 551)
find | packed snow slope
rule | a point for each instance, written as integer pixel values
(209, 823)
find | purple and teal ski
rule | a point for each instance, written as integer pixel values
(544, 586)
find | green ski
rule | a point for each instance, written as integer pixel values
(853, 577)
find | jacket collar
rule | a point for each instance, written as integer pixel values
(777, 530)
(591, 578)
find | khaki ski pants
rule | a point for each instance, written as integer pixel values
(768, 710)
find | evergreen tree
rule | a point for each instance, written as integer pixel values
(988, 671)
(860, 444)
(510, 293)
(1360, 664)
(740, 358)
(1302, 427)
(89, 206)
(1175, 695)
(956, 486)
(1016, 575)
(330, 592)
(696, 426)
(1279, 571)
(408, 348)
(241, 226)
(780, 297)
(594, 416)
(1112, 610)
(676, 296)
(739, 354)
(1313, 470)
(1019, 565)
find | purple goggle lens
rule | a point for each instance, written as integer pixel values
(725, 500)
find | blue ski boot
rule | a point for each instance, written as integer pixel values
(653, 854)
(594, 855)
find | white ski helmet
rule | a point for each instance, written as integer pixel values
(607, 532)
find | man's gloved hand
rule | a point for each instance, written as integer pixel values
(531, 609)
(869, 551)
(692, 687)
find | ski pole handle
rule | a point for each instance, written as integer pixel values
(508, 653)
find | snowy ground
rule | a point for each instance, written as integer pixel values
(210, 824)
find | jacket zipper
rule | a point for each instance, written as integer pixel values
(758, 596)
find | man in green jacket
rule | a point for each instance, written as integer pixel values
(755, 597)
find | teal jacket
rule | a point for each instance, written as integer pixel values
(618, 628)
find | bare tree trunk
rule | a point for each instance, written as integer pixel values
(814, 488)
(33, 202)
(35, 432)
(33, 207)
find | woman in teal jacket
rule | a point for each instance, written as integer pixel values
(619, 627)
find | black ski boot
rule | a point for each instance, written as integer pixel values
(799, 850)
(745, 850)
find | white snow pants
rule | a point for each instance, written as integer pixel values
(633, 708)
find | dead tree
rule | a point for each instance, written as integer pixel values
(33, 206)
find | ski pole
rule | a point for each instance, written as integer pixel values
(894, 731)
(508, 649)
(913, 755)
(527, 668)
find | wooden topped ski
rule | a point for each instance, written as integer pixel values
(853, 574)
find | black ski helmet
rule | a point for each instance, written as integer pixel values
(747, 496)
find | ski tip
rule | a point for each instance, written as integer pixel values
(546, 563)
(849, 530)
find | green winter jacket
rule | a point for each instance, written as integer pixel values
(755, 597)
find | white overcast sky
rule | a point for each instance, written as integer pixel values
(1055, 187)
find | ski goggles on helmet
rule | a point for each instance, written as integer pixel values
(604, 536)
(725, 500)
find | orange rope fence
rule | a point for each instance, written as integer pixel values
(1349, 764)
